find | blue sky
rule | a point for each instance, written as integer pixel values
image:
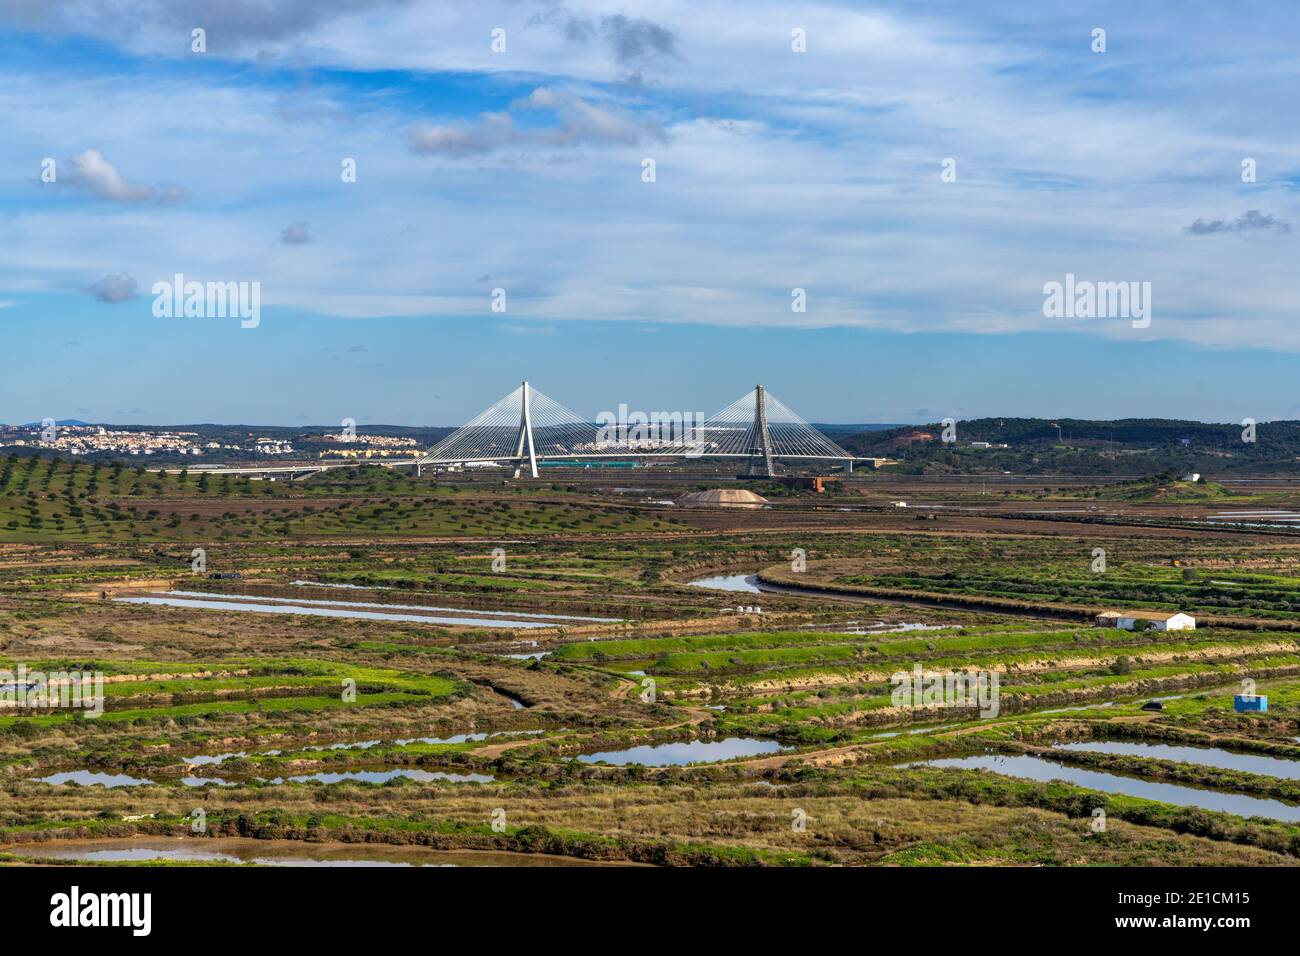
(522, 170)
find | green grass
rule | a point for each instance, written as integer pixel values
(314, 685)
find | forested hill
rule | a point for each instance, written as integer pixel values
(1081, 446)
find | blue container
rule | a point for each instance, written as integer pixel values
(1243, 704)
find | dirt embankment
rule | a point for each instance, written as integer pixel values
(118, 588)
(785, 685)
(778, 577)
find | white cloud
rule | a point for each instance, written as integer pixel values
(578, 123)
(90, 171)
(817, 170)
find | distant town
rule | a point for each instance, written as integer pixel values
(214, 443)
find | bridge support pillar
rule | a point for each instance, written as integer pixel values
(760, 453)
(525, 437)
(848, 467)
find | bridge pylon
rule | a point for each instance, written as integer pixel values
(760, 453)
(525, 437)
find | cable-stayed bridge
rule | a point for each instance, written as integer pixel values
(527, 426)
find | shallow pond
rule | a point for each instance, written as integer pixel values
(1036, 768)
(880, 627)
(915, 730)
(200, 760)
(277, 853)
(383, 776)
(747, 583)
(694, 751)
(515, 612)
(197, 760)
(268, 606)
(94, 778)
(404, 741)
(90, 778)
(1200, 756)
(1064, 710)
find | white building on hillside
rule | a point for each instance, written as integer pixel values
(1146, 621)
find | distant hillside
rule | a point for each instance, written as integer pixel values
(837, 431)
(1131, 446)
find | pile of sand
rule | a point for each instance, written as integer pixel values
(722, 498)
